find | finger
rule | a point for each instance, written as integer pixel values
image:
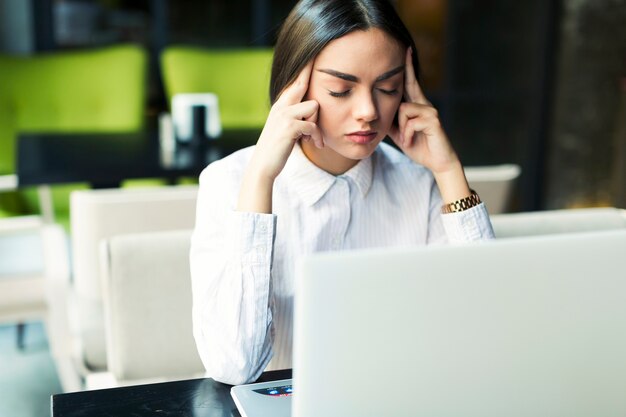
(295, 91)
(412, 127)
(402, 119)
(410, 111)
(306, 110)
(309, 130)
(412, 90)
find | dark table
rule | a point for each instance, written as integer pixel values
(194, 397)
(106, 159)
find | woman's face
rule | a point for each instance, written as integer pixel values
(358, 82)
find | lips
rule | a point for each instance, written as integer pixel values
(362, 136)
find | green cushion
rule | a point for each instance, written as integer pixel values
(99, 90)
(239, 77)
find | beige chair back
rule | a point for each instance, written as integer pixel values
(147, 307)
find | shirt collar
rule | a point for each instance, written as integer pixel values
(312, 182)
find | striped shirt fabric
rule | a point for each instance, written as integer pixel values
(242, 264)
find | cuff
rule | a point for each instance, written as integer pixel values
(468, 225)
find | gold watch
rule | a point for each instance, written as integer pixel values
(463, 204)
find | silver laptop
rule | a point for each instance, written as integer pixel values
(517, 327)
(264, 399)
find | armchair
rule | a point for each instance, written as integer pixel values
(22, 295)
(77, 334)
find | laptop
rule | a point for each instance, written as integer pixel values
(264, 398)
(518, 327)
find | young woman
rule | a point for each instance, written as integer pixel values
(319, 179)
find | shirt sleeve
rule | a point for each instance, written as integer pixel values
(230, 262)
(470, 225)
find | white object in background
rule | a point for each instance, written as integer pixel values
(8, 182)
(167, 140)
(182, 111)
(494, 184)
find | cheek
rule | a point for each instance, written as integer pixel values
(388, 107)
(330, 113)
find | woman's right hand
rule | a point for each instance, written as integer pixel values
(290, 119)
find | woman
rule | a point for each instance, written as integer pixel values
(319, 179)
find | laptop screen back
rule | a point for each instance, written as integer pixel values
(518, 327)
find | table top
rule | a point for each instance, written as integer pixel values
(202, 397)
(106, 159)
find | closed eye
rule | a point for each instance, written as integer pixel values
(339, 93)
(389, 92)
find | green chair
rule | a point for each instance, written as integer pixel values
(239, 78)
(100, 90)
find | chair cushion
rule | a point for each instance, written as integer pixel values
(147, 300)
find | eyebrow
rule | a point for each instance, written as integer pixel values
(355, 79)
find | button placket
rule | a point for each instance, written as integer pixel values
(343, 219)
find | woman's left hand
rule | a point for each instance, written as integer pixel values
(419, 134)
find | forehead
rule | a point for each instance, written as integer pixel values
(362, 52)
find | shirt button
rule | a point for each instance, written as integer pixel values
(262, 227)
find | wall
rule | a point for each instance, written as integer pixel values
(586, 153)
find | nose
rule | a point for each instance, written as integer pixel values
(365, 107)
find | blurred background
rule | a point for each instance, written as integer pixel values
(537, 83)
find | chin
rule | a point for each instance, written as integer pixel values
(359, 152)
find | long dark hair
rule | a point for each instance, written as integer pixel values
(312, 24)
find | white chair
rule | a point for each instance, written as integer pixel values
(22, 284)
(22, 269)
(557, 221)
(77, 336)
(147, 308)
(494, 184)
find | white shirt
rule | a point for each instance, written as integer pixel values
(242, 264)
